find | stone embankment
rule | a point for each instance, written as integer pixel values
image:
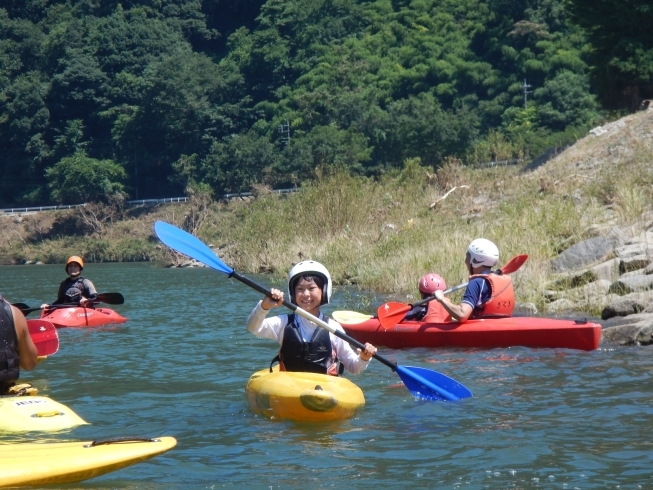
(613, 273)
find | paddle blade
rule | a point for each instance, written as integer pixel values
(45, 337)
(431, 385)
(189, 245)
(392, 313)
(111, 298)
(514, 264)
(345, 317)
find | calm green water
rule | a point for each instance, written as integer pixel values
(539, 418)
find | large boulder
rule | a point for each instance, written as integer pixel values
(637, 332)
(632, 264)
(586, 252)
(636, 249)
(561, 305)
(632, 284)
(608, 270)
(628, 305)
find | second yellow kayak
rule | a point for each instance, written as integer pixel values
(38, 413)
(307, 397)
(67, 462)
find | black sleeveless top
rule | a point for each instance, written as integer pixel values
(9, 361)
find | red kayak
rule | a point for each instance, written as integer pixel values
(78, 316)
(483, 332)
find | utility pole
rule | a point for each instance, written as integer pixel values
(284, 129)
(526, 92)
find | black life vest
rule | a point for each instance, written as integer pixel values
(72, 290)
(9, 361)
(314, 356)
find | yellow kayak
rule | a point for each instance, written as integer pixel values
(68, 462)
(303, 396)
(26, 413)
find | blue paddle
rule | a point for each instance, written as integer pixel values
(423, 383)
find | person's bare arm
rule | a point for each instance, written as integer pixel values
(460, 312)
(26, 348)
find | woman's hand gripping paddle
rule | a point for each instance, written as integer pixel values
(45, 337)
(422, 383)
(392, 313)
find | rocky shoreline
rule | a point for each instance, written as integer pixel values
(611, 272)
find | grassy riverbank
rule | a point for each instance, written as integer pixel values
(383, 235)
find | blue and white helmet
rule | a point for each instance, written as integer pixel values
(483, 252)
(310, 268)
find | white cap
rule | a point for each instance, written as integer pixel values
(483, 252)
(308, 268)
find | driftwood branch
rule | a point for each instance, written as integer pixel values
(445, 196)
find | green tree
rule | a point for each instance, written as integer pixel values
(79, 178)
(236, 162)
(419, 127)
(622, 48)
(322, 148)
(189, 103)
(565, 100)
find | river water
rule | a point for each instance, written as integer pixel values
(540, 418)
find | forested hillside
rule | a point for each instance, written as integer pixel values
(103, 100)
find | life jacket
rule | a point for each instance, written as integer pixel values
(74, 290)
(314, 356)
(436, 313)
(9, 360)
(502, 296)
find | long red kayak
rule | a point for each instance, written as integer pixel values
(78, 316)
(483, 333)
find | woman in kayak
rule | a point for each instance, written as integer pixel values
(431, 312)
(75, 289)
(17, 350)
(305, 346)
(488, 293)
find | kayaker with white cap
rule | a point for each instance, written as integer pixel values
(489, 293)
(306, 347)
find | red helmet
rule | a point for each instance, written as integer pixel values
(430, 283)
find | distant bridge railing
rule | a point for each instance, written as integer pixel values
(36, 209)
(142, 202)
(499, 163)
(133, 202)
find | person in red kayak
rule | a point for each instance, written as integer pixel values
(75, 289)
(305, 346)
(431, 312)
(488, 293)
(17, 350)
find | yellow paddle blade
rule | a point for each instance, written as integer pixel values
(346, 317)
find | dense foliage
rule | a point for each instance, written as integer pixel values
(176, 93)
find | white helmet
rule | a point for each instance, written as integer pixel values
(310, 268)
(483, 252)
